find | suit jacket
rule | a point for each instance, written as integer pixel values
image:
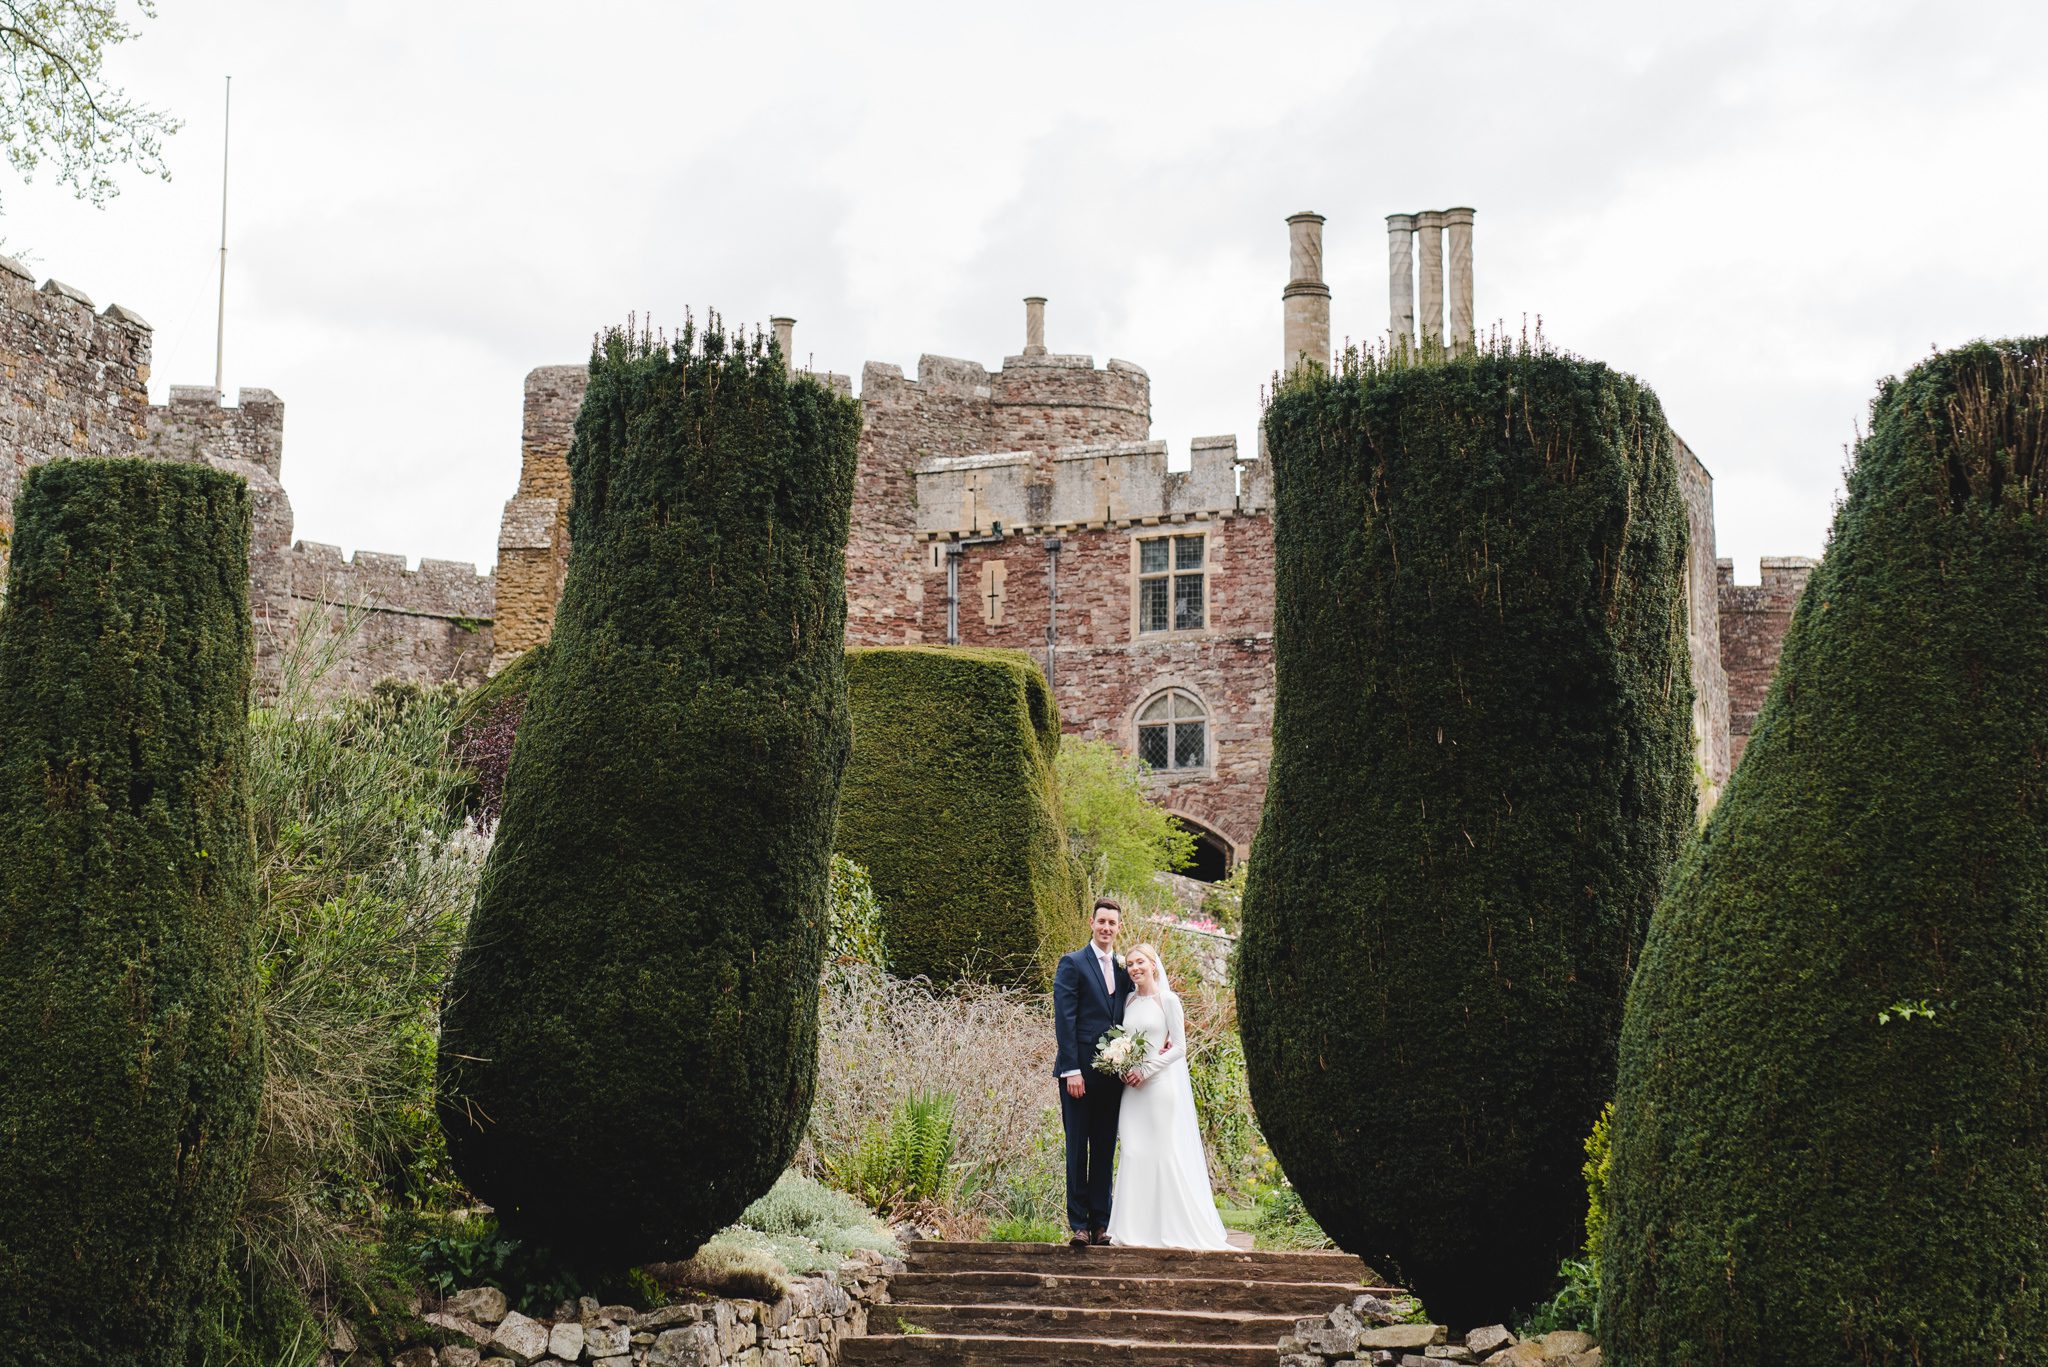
(1082, 1011)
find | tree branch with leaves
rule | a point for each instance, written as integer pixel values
(57, 104)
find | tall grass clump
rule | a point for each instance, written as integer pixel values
(988, 1049)
(365, 874)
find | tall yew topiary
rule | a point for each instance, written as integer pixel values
(1481, 772)
(130, 1060)
(953, 807)
(630, 1041)
(1831, 1130)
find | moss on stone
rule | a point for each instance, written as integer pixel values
(1831, 1129)
(952, 807)
(1481, 772)
(130, 1063)
(630, 1044)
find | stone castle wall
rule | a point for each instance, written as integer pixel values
(1052, 448)
(1711, 748)
(75, 383)
(1754, 619)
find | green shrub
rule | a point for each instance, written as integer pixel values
(365, 876)
(651, 925)
(728, 1267)
(951, 806)
(853, 929)
(1481, 772)
(1123, 839)
(798, 1228)
(908, 1162)
(129, 1042)
(1828, 1131)
(1027, 1229)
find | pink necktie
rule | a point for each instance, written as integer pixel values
(1108, 974)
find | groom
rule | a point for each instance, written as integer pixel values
(1089, 992)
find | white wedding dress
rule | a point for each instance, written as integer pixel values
(1162, 1197)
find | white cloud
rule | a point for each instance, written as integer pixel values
(1759, 208)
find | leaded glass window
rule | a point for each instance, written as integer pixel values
(1173, 731)
(1172, 590)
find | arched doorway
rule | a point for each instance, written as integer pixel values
(1212, 852)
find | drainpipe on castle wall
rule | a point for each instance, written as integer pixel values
(1052, 608)
(954, 548)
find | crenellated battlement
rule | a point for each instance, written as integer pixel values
(450, 589)
(196, 425)
(1113, 485)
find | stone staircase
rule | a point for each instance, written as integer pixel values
(1035, 1305)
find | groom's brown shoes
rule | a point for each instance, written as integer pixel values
(1099, 1237)
(1079, 1240)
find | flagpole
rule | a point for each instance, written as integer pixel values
(220, 321)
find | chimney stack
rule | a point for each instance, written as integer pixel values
(1034, 325)
(1305, 303)
(785, 328)
(1458, 222)
(1429, 285)
(1401, 276)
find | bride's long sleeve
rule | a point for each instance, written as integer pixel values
(1176, 1039)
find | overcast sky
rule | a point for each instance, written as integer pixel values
(1758, 208)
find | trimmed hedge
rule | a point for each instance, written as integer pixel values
(1482, 768)
(129, 1042)
(952, 807)
(1831, 1133)
(630, 1043)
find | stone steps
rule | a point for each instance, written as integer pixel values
(1135, 1326)
(937, 1350)
(931, 1255)
(1023, 1305)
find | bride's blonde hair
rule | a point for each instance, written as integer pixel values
(1151, 952)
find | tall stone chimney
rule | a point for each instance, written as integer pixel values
(1458, 226)
(1429, 254)
(785, 329)
(1401, 276)
(1034, 325)
(1305, 303)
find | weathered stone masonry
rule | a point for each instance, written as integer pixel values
(75, 383)
(1007, 507)
(1754, 618)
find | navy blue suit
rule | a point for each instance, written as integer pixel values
(1083, 1011)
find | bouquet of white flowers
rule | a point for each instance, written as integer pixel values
(1119, 1051)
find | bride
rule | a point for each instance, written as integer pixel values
(1162, 1195)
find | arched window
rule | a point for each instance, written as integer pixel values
(1173, 731)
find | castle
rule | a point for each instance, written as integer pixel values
(1025, 507)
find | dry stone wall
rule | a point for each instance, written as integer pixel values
(802, 1329)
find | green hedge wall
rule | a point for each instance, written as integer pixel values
(130, 1059)
(1481, 772)
(1807, 1168)
(630, 1043)
(952, 807)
